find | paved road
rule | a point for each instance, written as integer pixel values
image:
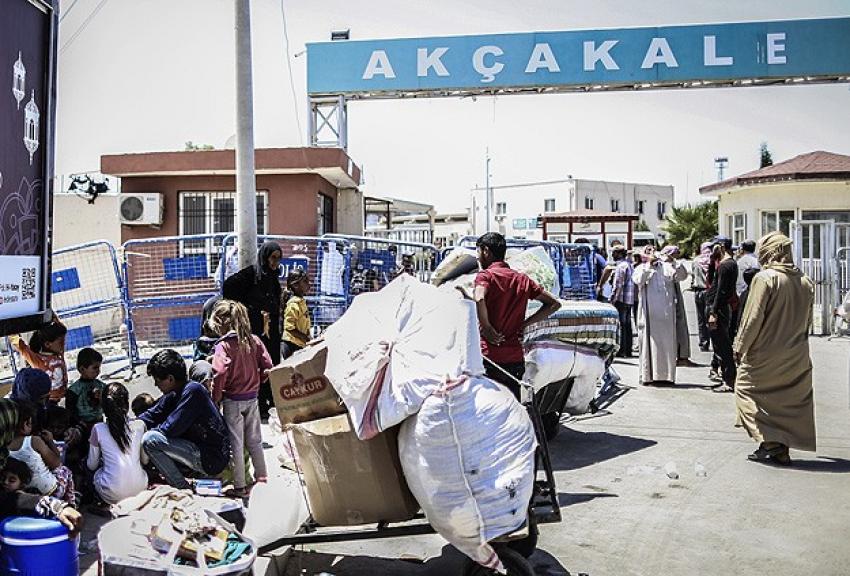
(623, 514)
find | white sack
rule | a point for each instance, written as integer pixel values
(547, 362)
(394, 348)
(538, 265)
(468, 457)
(456, 263)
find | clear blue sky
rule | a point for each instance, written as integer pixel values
(149, 75)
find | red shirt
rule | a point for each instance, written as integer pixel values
(508, 293)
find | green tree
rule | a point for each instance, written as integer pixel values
(766, 158)
(192, 147)
(642, 226)
(689, 226)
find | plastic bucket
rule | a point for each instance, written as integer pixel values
(36, 547)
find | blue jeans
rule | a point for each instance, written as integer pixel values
(163, 451)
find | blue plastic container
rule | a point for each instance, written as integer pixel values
(36, 547)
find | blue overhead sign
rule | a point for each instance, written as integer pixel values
(583, 59)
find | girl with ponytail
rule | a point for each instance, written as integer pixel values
(115, 449)
(240, 363)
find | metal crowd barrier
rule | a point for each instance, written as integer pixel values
(167, 281)
(327, 262)
(376, 261)
(88, 296)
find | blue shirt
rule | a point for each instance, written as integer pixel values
(189, 413)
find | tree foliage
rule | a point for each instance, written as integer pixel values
(689, 226)
(642, 226)
(192, 147)
(766, 158)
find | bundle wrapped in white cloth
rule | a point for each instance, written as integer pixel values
(411, 354)
(548, 361)
(468, 457)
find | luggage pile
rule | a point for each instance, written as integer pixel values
(422, 426)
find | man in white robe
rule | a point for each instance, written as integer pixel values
(656, 281)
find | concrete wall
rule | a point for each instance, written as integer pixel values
(75, 221)
(628, 195)
(349, 212)
(797, 195)
(521, 203)
(291, 211)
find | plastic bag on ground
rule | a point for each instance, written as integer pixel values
(468, 456)
(549, 361)
(394, 348)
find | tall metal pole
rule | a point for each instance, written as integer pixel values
(246, 184)
(487, 191)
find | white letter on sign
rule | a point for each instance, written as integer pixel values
(709, 53)
(488, 73)
(378, 64)
(592, 55)
(774, 47)
(432, 60)
(542, 57)
(659, 52)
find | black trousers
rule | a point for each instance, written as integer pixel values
(515, 369)
(625, 312)
(702, 319)
(290, 348)
(721, 340)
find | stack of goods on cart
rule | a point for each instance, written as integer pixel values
(170, 531)
(424, 427)
(458, 269)
(579, 341)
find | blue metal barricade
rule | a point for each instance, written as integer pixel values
(167, 281)
(327, 262)
(88, 296)
(376, 261)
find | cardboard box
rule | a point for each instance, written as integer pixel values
(300, 389)
(351, 481)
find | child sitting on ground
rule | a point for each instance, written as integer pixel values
(40, 454)
(16, 475)
(46, 351)
(141, 403)
(115, 450)
(240, 363)
(83, 397)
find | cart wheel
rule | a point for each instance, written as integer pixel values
(514, 562)
(527, 545)
(551, 424)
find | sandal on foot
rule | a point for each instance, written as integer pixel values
(723, 388)
(771, 456)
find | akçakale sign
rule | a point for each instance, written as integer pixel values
(27, 56)
(592, 58)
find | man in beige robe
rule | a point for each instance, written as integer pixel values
(773, 389)
(656, 280)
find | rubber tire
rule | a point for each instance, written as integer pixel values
(527, 545)
(514, 562)
(551, 424)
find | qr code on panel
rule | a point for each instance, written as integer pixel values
(27, 283)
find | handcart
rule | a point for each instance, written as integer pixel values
(512, 549)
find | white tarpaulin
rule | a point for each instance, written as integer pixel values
(550, 361)
(394, 348)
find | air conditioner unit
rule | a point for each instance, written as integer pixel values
(142, 209)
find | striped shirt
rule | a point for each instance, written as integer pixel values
(624, 288)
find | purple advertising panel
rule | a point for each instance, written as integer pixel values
(27, 111)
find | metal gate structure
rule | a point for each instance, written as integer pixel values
(88, 296)
(375, 262)
(815, 252)
(326, 260)
(167, 281)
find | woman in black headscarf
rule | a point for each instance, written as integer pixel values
(258, 288)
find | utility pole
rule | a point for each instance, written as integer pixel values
(487, 202)
(246, 183)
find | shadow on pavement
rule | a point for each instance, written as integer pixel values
(573, 449)
(680, 386)
(568, 499)
(823, 464)
(450, 562)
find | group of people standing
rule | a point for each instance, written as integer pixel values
(754, 313)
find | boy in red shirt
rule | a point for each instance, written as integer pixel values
(501, 298)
